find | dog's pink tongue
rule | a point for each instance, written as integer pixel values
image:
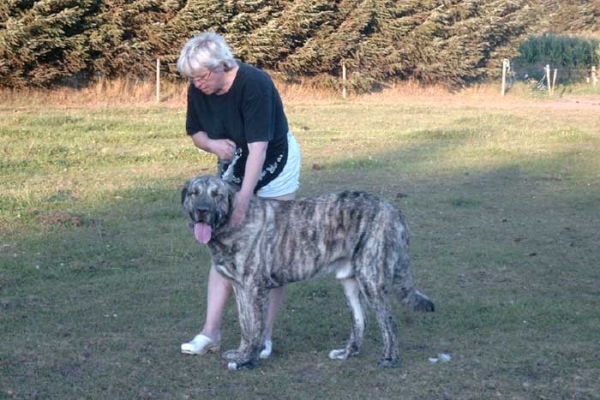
(202, 232)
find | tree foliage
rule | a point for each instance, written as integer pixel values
(48, 42)
(572, 55)
(42, 41)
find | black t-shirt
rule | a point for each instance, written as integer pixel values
(251, 111)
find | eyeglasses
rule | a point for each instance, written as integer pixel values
(200, 79)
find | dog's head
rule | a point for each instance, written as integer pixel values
(208, 201)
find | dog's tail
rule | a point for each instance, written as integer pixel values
(420, 302)
(404, 288)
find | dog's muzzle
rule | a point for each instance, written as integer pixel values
(202, 224)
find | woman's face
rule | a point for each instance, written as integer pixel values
(209, 81)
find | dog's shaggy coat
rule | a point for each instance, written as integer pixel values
(358, 237)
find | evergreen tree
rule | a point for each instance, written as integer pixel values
(194, 17)
(43, 42)
(252, 29)
(570, 16)
(444, 41)
(287, 28)
(126, 36)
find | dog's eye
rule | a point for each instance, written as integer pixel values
(214, 193)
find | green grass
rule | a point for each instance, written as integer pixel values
(100, 279)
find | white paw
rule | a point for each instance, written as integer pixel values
(232, 366)
(339, 354)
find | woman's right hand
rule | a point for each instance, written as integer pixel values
(224, 149)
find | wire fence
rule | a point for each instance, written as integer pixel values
(565, 75)
(544, 78)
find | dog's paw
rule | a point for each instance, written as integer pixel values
(231, 355)
(239, 365)
(339, 354)
(389, 363)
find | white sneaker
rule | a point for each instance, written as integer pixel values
(266, 351)
(201, 344)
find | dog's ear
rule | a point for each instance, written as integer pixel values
(232, 187)
(184, 192)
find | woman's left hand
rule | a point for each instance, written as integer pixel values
(240, 208)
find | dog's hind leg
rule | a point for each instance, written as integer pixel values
(352, 292)
(376, 295)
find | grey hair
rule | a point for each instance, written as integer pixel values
(205, 51)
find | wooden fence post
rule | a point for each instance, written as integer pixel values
(343, 79)
(158, 80)
(548, 80)
(594, 76)
(505, 68)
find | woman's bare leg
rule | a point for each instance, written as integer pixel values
(218, 293)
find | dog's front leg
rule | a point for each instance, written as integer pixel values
(252, 309)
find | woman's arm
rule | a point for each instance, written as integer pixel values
(254, 164)
(222, 148)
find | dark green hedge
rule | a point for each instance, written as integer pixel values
(57, 42)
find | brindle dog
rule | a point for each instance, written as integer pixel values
(361, 239)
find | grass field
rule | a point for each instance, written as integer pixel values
(101, 280)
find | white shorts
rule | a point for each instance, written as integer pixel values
(288, 180)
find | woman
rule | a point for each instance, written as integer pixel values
(235, 112)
